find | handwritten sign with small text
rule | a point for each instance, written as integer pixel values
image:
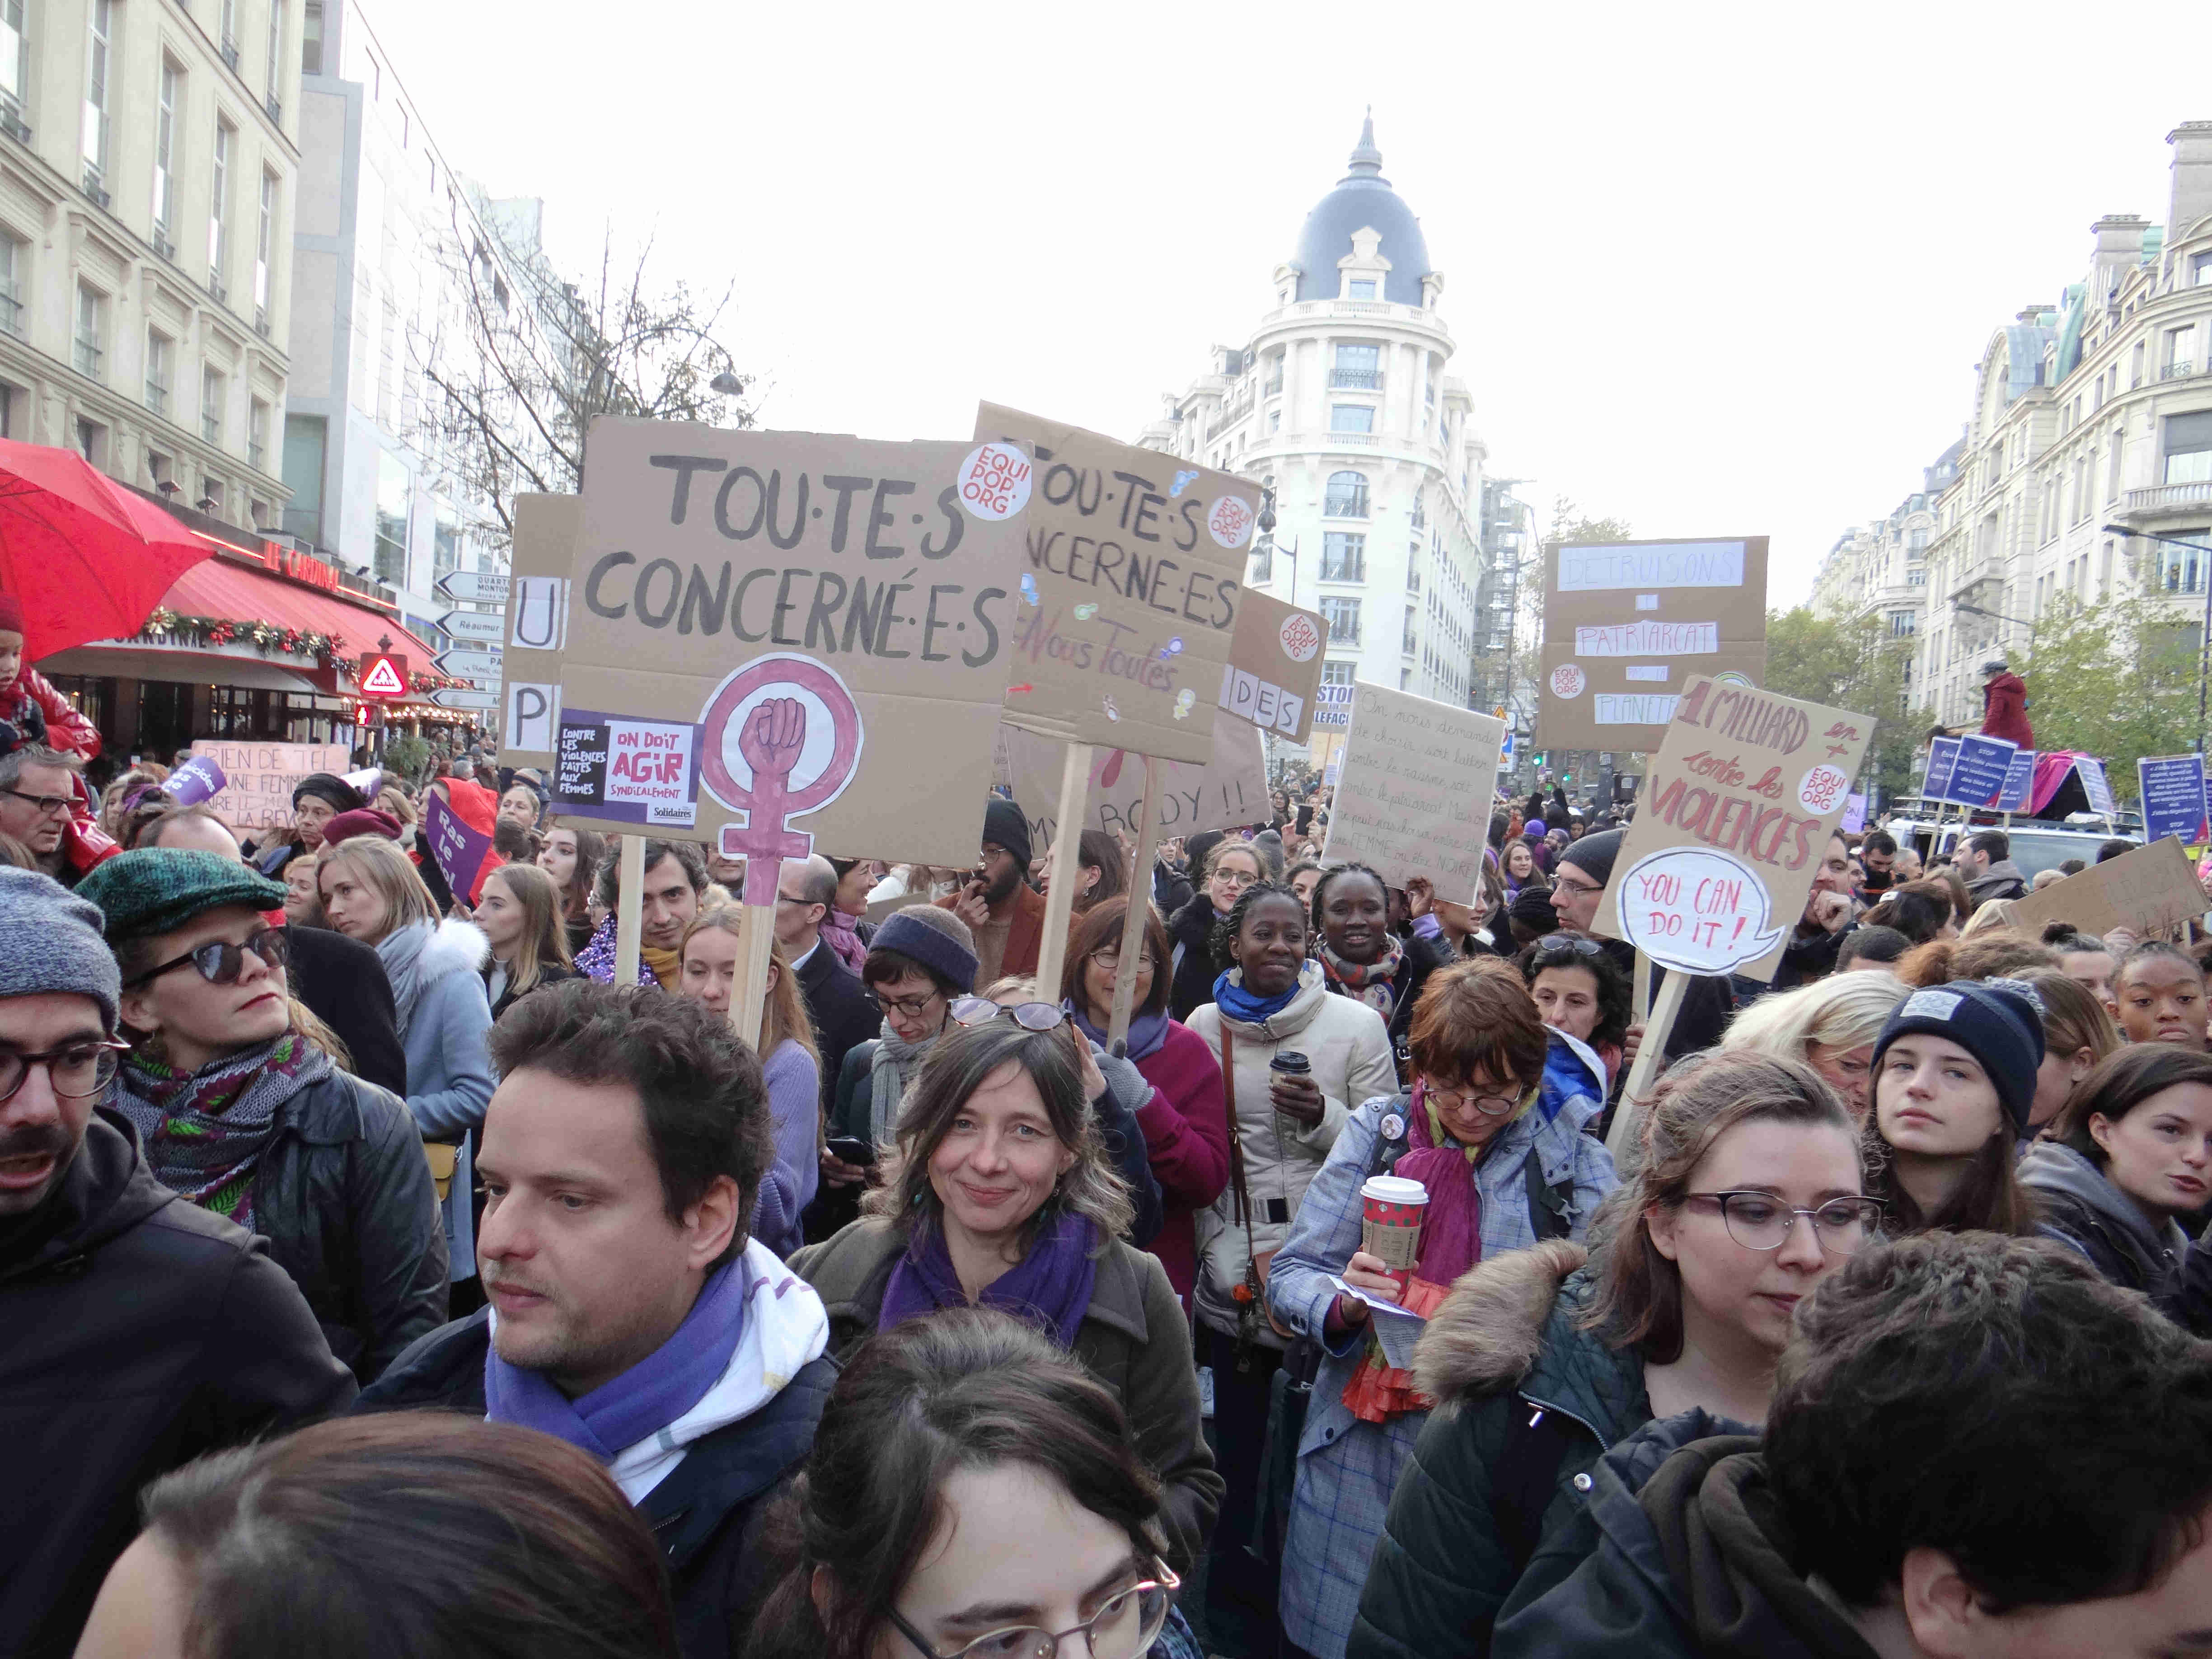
(257, 793)
(1413, 797)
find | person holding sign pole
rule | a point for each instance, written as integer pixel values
(675, 881)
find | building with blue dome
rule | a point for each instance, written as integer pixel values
(1341, 397)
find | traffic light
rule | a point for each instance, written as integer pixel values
(1540, 759)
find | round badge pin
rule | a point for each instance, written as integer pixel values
(1393, 1127)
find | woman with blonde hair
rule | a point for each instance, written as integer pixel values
(707, 958)
(519, 912)
(372, 893)
(1830, 1024)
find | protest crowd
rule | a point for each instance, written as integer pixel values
(380, 1276)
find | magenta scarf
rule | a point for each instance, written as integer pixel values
(838, 934)
(1451, 1236)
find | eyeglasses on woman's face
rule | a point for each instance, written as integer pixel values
(1107, 958)
(1760, 1221)
(907, 1007)
(1488, 1102)
(1124, 1627)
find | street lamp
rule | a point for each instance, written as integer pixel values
(1268, 529)
(2204, 638)
(727, 384)
(2028, 623)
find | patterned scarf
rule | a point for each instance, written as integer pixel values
(838, 932)
(1372, 983)
(204, 1132)
(890, 1069)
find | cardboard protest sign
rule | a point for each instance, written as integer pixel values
(536, 626)
(2150, 890)
(257, 791)
(765, 626)
(1979, 770)
(1229, 791)
(1274, 665)
(1741, 798)
(2172, 796)
(1129, 591)
(460, 851)
(1413, 797)
(1626, 624)
(1854, 819)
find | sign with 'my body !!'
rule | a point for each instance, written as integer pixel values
(1133, 570)
(780, 642)
(1730, 827)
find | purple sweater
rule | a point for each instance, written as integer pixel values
(794, 1113)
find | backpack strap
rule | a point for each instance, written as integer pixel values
(1525, 1478)
(1547, 1205)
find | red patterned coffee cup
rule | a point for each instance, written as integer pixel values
(1391, 1211)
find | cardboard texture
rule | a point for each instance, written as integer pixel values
(1133, 572)
(1628, 625)
(535, 626)
(1229, 791)
(257, 793)
(1729, 828)
(779, 642)
(2150, 890)
(1414, 796)
(1274, 665)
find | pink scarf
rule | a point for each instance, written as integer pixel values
(838, 934)
(1451, 1238)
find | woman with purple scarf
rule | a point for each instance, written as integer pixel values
(1501, 1173)
(1003, 1197)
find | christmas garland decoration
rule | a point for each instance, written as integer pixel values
(167, 627)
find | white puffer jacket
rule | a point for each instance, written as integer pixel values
(1349, 1049)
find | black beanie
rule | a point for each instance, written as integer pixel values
(1593, 855)
(324, 786)
(1993, 1020)
(1005, 826)
(1532, 908)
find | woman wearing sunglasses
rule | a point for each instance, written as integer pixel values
(971, 1493)
(1005, 1196)
(240, 1107)
(1750, 1194)
(1500, 1172)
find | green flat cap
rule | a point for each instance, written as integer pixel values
(160, 889)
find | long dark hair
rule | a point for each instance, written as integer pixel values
(504, 1542)
(964, 1388)
(2121, 1083)
(1988, 1200)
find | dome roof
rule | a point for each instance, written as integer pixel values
(1362, 200)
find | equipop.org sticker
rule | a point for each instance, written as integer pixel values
(1568, 681)
(1301, 639)
(1231, 521)
(994, 481)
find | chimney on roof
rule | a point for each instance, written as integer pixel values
(2193, 178)
(2119, 250)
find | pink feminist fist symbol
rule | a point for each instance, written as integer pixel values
(772, 741)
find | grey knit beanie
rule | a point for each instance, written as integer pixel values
(54, 942)
(936, 938)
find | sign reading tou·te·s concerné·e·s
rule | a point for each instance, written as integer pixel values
(778, 641)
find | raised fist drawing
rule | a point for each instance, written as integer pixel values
(773, 734)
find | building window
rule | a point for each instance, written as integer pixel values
(1342, 617)
(1362, 288)
(1347, 495)
(167, 101)
(1901, 624)
(211, 393)
(305, 438)
(1413, 569)
(218, 250)
(14, 68)
(1350, 417)
(1336, 671)
(160, 359)
(15, 259)
(2180, 351)
(445, 541)
(2180, 569)
(86, 347)
(265, 248)
(275, 47)
(310, 38)
(1359, 366)
(257, 435)
(391, 492)
(2189, 448)
(1409, 645)
(99, 41)
(2200, 270)
(230, 32)
(1343, 557)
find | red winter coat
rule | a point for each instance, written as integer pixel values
(1186, 1130)
(66, 730)
(2004, 710)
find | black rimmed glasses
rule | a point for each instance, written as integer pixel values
(1108, 957)
(49, 806)
(75, 1070)
(1029, 1016)
(1565, 946)
(1123, 1628)
(1451, 1100)
(221, 962)
(907, 1007)
(1760, 1221)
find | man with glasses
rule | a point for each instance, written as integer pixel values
(140, 1330)
(843, 1010)
(37, 795)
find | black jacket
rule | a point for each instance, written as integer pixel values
(1191, 929)
(344, 984)
(344, 1195)
(137, 1332)
(843, 1009)
(706, 1512)
(548, 972)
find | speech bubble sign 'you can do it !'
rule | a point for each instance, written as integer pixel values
(1697, 910)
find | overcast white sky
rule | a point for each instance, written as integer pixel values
(1714, 269)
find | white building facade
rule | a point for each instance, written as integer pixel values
(147, 170)
(1340, 396)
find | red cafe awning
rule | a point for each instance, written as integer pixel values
(221, 587)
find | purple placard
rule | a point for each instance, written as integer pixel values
(197, 780)
(460, 851)
(2018, 784)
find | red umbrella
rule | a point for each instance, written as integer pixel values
(88, 559)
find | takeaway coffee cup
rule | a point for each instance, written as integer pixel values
(1390, 1215)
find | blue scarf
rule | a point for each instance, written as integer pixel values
(1240, 1004)
(645, 1399)
(1147, 1032)
(1050, 1287)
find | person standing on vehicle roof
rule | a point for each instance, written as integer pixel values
(2004, 707)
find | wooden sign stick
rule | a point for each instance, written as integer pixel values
(1132, 921)
(1642, 988)
(1650, 1060)
(630, 910)
(756, 940)
(1066, 867)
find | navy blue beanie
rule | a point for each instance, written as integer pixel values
(1996, 1021)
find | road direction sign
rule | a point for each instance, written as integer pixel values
(484, 586)
(474, 626)
(472, 663)
(480, 700)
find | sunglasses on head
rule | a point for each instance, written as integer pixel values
(1558, 945)
(221, 962)
(1029, 1016)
